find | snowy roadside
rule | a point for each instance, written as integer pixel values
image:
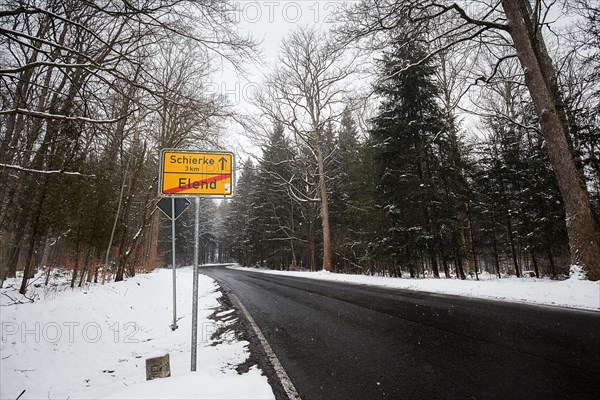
(573, 292)
(93, 342)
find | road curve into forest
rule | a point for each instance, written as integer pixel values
(343, 341)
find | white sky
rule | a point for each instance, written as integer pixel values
(269, 22)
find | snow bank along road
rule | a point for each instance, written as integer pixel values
(343, 341)
(92, 343)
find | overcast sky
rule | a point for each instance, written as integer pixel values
(268, 22)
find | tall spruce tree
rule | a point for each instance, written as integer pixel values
(241, 242)
(275, 207)
(517, 206)
(346, 166)
(405, 133)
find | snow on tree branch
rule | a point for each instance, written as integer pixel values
(38, 171)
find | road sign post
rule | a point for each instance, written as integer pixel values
(181, 204)
(194, 174)
(173, 208)
(174, 324)
(195, 285)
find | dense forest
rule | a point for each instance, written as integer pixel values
(415, 137)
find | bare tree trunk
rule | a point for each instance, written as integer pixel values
(535, 264)
(134, 246)
(513, 250)
(469, 242)
(327, 263)
(5, 239)
(76, 267)
(151, 259)
(46, 251)
(86, 267)
(18, 216)
(28, 270)
(584, 240)
(460, 272)
(51, 263)
(114, 228)
(509, 226)
(445, 266)
(551, 261)
(434, 265)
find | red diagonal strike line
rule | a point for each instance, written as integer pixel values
(178, 189)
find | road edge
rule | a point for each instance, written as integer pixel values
(284, 379)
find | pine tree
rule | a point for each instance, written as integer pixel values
(241, 243)
(274, 207)
(516, 202)
(404, 134)
(346, 167)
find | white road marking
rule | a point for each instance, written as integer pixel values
(285, 380)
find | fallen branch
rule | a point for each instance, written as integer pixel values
(14, 301)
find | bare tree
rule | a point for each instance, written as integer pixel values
(303, 93)
(78, 80)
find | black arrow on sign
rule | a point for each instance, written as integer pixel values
(223, 161)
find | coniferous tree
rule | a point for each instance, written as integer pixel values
(239, 222)
(516, 201)
(405, 134)
(346, 167)
(277, 208)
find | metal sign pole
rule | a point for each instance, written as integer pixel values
(184, 173)
(174, 325)
(195, 281)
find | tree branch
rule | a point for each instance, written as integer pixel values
(37, 171)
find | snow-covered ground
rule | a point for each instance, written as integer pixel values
(93, 342)
(573, 292)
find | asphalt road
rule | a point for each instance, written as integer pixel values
(343, 341)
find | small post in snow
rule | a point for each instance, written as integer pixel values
(195, 283)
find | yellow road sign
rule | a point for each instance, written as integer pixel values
(195, 173)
